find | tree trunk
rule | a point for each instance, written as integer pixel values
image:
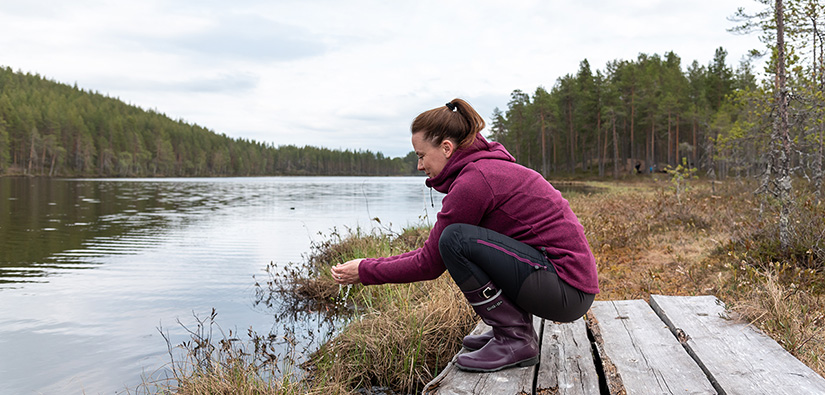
(669, 141)
(575, 148)
(599, 142)
(43, 159)
(629, 151)
(782, 141)
(543, 147)
(51, 168)
(821, 129)
(647, 153)
(632, 118)
(678, 159)
(819, 170)
(604, 149)
(572, 159)
(615, 150)
(31, 152)
(653, 144)
(695, 147)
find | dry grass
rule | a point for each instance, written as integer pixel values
(791, 316)
(400, 344)
(646, 242)
(714, 242)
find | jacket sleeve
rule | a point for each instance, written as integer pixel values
(468, 199)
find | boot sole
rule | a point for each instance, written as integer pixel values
(521, 364)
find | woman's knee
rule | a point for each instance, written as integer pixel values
(450, 238)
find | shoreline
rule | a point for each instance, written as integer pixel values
(645, 239)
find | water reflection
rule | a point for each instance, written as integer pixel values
(161, 251)
(47, 224)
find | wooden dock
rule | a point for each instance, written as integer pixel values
(673, 345)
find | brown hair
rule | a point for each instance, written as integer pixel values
(456, 120)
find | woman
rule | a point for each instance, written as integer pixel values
(506, 236)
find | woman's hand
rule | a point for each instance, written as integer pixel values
(346, 273)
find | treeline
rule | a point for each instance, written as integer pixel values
(645, 113)
(53, 129)
(651, 112)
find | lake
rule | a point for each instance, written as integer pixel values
(90, 269)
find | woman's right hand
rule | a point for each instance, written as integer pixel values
(346, 273)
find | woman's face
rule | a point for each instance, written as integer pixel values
(431, 158)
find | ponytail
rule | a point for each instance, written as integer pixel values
(456, 121)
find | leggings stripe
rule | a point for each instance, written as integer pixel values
(512, 254)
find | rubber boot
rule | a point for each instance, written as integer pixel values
(514, 342)
(474, 342)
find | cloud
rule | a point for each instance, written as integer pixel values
(234, 83)
(237, 83)
(242, 37)
(36, 8)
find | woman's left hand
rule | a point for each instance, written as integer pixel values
(346, 273)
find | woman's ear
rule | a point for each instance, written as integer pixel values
(448, 148)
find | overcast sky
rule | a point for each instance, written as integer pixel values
(343, 74)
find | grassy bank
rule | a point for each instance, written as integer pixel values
(708, 239)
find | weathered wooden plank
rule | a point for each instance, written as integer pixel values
(566, 365)
(453, 380)
(646, 355)
(738, 358)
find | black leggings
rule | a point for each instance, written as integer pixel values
(475, 256)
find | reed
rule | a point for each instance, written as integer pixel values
(218, 362)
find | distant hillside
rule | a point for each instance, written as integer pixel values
(53, 129)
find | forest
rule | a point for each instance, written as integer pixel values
(53, 129)
(651, 114)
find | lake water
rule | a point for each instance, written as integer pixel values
(90, 269)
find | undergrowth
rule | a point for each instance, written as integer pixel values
(722, 240)
(782, 291)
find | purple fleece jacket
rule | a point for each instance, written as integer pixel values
(485, 187)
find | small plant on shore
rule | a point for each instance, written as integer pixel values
(215, 362)
(680, 177)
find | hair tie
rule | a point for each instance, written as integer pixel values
(451, 106)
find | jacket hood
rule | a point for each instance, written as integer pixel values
(480, 149)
